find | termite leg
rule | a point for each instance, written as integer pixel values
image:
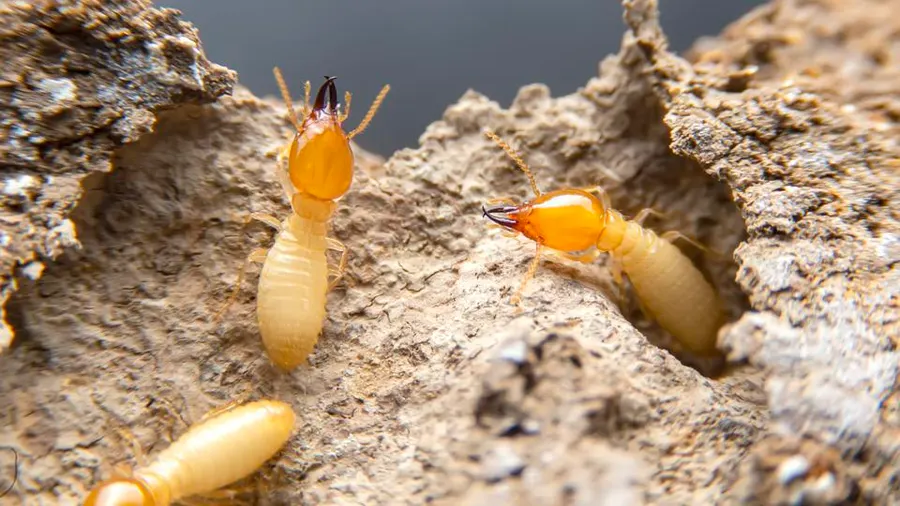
(268, 219)
(171, 410)
(281, 167)
(221, 496)
(532, 269)
(136, 451)
(642, 216)
(585, 258)
(15, 477)
(228, 406)
(337, 272)
(674, 235)
(644, 310)
(505, 232)
(285, 150)
(371, 114)
(267, 477)
(122, 469)
(258, 256)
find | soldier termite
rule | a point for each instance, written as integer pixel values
(224, 448)
(294, 281)
(580, 225)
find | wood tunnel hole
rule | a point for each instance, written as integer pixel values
(697, 205)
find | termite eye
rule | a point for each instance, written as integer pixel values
(122, 492)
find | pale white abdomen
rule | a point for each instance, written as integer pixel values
(671, 289)
(224, 449)
(292, 291)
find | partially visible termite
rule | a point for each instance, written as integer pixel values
(224, 448)
(580, 225)
(293, 285)
(15, 477)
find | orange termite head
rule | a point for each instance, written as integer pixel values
(121, 492)
(564, 220)
(320, 161)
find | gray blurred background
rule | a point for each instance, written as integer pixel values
(429, 51)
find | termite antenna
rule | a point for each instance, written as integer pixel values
(371, 114)
(346, 114)
(306, 89)
(286, 96)
(516, 158)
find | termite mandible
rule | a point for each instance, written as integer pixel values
(580, 225)
(226, 447)
(293, 284)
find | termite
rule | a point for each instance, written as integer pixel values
(580, 224)
(227, 446)
(294, 282)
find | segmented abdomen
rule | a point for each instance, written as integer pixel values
(224, 449)
(292, 291)
(671, 289)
